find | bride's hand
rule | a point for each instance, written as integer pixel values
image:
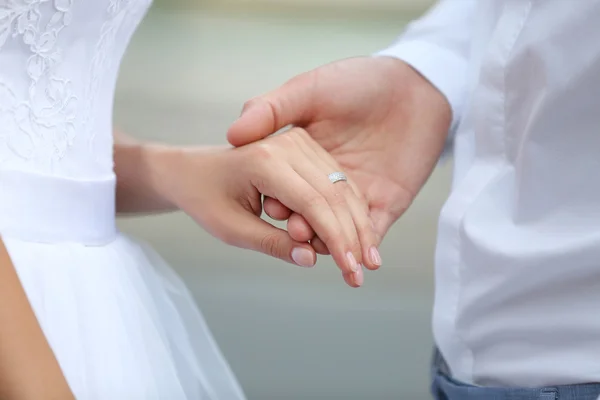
(221, 189)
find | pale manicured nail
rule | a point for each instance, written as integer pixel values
(352, 261)
(375, 256)
(303, 257)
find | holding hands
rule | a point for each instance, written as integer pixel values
(375, 119)
(293, 169)
(381, 121)
(222, 189)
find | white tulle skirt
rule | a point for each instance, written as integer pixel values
(121, 322)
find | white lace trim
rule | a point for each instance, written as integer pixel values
(41, 126)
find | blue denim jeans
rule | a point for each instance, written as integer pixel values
(443, 387)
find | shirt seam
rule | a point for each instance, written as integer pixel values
(459, 336)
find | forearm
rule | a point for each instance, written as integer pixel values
(141, 169)
(28, 368)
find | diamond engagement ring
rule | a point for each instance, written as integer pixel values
(337, 177)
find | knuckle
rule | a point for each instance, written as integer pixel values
(337, 199)
(286, 140)
(303, 136)
(355, 246)
(312, 210)
(258, 164)
(331, 237)
(262, 159)
(250, 103)
(299, 132)
(264, 151)
(364, 228)
(271, 244)
(314, 202)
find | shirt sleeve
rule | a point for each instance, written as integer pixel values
(438, 46)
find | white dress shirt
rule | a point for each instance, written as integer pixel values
(517, 297)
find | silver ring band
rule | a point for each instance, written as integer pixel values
(337, 177)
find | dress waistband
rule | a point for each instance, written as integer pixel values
(50, 209)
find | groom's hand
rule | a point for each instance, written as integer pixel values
(382, 121)
(222, 189)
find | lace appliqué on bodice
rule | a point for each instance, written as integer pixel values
(42, 125)
(58, 66)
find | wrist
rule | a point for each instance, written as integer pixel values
(414, 88)
(174, 173)
(143, 170)
(160, 166)
(427, 60)
(425, 115)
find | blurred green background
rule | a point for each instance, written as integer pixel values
(289, 333)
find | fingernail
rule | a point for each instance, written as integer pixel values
(375, 256)
(352, 261)
(303, 257)
(359, 276)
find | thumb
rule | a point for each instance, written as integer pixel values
(382, 222)
(241, 228)
(291, 104)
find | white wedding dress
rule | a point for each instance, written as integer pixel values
(119, 320)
